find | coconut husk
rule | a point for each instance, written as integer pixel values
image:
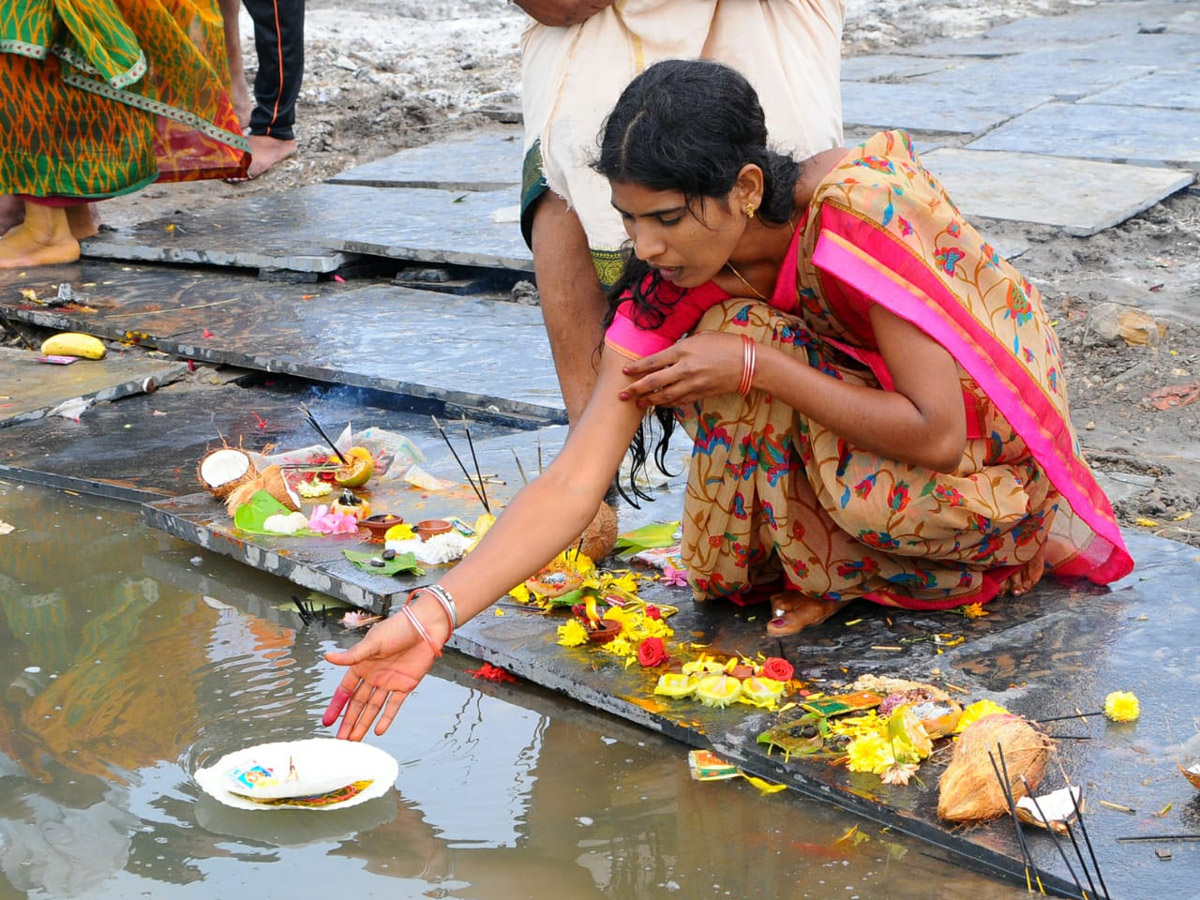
(968, 790)
(270, 480)
(600, 536)
(220, 491)
(1191, 773)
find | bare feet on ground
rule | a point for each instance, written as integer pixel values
(43, 239)
(266, 151)
(792, 611)
(1027, 576)
(83, 220)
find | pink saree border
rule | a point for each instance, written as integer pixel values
(892, 277)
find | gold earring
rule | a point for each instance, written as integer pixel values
(749, 210)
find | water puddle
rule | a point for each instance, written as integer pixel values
(128, 659)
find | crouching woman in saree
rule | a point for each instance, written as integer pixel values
(875, 396)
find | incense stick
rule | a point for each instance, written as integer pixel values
(1087, 840)
(454, 453)
(520, 468)
(1053, 836)
(312, 420)
(478, 474)
(1026, 856)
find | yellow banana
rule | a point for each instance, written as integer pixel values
(72, 343)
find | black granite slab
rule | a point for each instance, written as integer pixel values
(479, 161)
(449, 349)
(312, 228)
(31, 390)
(147, 447)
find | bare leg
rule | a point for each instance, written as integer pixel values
(12, 211)
(238, 91)
(84, 220)
(573, 302)
(43, 239)
(792, 611)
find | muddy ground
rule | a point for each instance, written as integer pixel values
(382, 75)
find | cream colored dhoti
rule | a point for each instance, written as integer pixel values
(790, 50)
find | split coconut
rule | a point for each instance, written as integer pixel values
(969, 790)
(600, 536)
(270, 480)
(223, 470)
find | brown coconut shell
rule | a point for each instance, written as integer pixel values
(270, 480)
(600, 536)
(969, 790)
(1191, 773)
(224, 490)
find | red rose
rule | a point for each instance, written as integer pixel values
(653, 612)
(651, 652)
(777, 669)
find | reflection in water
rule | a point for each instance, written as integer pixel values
(128, 659)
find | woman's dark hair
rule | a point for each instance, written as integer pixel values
(688, 126)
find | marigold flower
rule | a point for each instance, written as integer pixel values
(1121, 706)
(572, 634)
(977, 711)
(973, 610)
(869, 753)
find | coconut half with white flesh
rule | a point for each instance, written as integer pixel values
(317, 773)
(270, 480)
(1057, 806)
(223, 470)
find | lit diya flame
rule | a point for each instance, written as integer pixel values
(593, 615)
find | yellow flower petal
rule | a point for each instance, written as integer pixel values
(572, 634)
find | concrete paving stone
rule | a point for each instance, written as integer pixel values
(917, 107)
(30, 390)
(449, 349)
(1166, 52)
(476, 162)
(1163, 88)
(1056, 72)
(888, 67)
(1090, 26)
(1141, 136)
(455, 227)
(1080, 196)
(1103, 20)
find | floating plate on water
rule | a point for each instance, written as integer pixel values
(318, 773)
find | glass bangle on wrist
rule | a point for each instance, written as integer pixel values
(443, 597)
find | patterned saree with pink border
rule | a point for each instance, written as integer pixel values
(774, 495)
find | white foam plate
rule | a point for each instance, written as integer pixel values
(321, 765)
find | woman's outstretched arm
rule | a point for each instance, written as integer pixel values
(548, 515)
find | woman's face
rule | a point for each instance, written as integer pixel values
(687, 244)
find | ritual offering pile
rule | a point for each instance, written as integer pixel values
(318, 773)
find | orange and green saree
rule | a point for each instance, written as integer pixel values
(775, 495)
(102, 97)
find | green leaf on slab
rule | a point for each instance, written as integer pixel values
(402, 562)
(648, 537)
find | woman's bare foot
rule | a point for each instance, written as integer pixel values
(83, 220)
(266, 152)
(1027, 576)
(792, 612)
(12, 212)
(43, 239)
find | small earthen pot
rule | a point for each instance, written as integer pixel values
(430, 527)
(379, 523)
(604, 632)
